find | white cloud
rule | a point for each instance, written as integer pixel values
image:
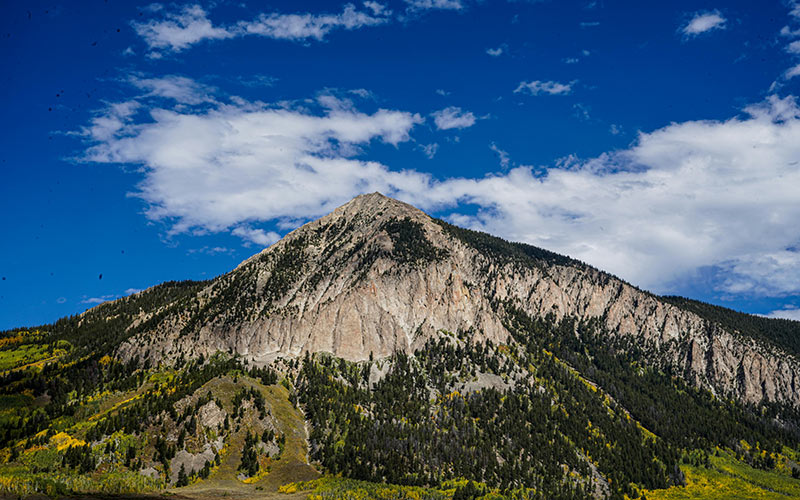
(794, 47)
(495, 52)
(689, 196)
(314, 26)
(703, 22)
(795, 6)
(216, 169)
(178, 31)
(696, 195)
(179, 88)
(538, 87)
(131, 291)
(114, 118)
(435, 4)
(257, 236)
(787, 31)
(571, 60)
(98, 300)
(442, 92)
(377, 8)
(210, 250)
(502, 155)
(792, 72)
(430, 150)
(786, 313)
(453, 117)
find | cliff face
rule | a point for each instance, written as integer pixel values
(377, 275)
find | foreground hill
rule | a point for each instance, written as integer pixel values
(387, 347)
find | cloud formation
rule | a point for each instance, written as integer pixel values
(453, 117)
(794, 46)
(703, 22)
(788, 312)
(691, 196)
(538, 87)
(221, 168)
(502, 156)
(257, 236)
(177, 31)
(178, 88)
(712, 197)
(434, 4)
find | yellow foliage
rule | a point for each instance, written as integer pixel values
(289, 488)
(106, 360)
(62, 440)
(729, 479)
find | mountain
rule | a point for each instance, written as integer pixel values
(378, 275)
(399, 355)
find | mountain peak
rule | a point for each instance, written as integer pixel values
(377, 276)
(377, 205)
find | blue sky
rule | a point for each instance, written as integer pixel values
(152, 142)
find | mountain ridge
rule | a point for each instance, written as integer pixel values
(348, 292)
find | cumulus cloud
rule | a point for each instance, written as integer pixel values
(691, 196)
(703, 22)
(222, 167)
(538, 87)
(788, 312)
(177, 31)
(453, 117)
